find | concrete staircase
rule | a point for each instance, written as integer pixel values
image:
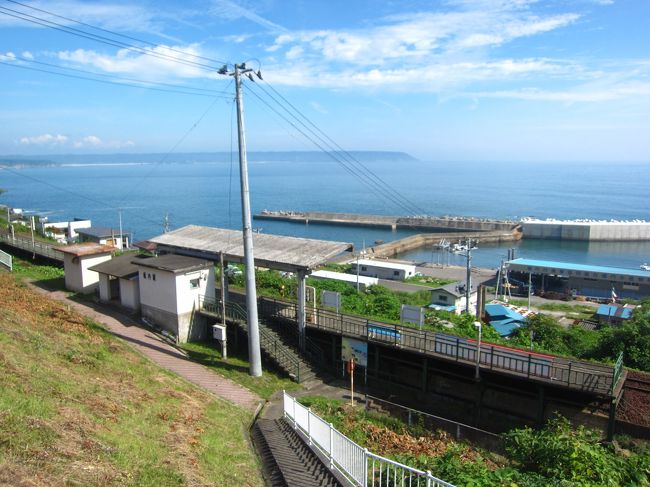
(287, 459)
(279, 348)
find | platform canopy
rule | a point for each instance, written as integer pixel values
(290, 254)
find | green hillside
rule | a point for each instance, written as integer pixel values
(79, 407)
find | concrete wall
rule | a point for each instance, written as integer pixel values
(157, 290)
(77, 275)
(130, 293)
(104, 288)
(170, 300)
(589, 231)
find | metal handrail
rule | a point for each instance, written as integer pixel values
(558, 370)
(270, 343)
(360, 466)
(7, 260)
(37, 247)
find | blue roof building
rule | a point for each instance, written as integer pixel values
(503, 319)
(614, 313)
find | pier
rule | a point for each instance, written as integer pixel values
(429, 223)
(485, 229)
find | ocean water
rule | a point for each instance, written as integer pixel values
(208, 194)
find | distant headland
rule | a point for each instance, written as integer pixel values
(198, 157)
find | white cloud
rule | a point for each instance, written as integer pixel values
(230, 10)
(113, 16)
(45, 139)
(421, 36)
(88, 142)
(159, 62)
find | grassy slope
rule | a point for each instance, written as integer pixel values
(79, 407)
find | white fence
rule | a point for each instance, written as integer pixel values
(6, 260)
(360, 467)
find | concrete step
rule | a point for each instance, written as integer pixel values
(287, 458)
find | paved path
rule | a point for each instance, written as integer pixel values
(160, 351)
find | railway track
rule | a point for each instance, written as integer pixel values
(635, 384)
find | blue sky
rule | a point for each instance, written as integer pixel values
(514, 80)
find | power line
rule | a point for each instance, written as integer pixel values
(174, 147)
(113, 32)
(74, 193)
(332, 143)
(120, 78)
(97, 38)
(105, 81)
(346, 166)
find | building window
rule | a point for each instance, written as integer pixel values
(442, 297)
(396, 273)
(154, 277)
(363, 268)
(194, 283)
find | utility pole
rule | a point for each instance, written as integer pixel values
(468, 285)
(33, 242)
(119, 212)
(249, 260)
(166, 223)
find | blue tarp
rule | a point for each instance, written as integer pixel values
(607, 310)
(506, 327)
(503, 319)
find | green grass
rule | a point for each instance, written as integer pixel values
(236, 368)
(577, 311)
(429, 281)
(51, 277)
(79, 407)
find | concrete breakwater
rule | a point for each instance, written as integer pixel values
(452, 224)
(580, 230)
(391, 249)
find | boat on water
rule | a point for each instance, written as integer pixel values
(459, 248)
(645, 266)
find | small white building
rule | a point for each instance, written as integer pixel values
(105, 236)
(170, 287)
(63, 232)
(77, 260)
(364, 281)
(383, 270)
(452, 298)
(119, 281)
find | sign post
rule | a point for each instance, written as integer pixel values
(350, 367)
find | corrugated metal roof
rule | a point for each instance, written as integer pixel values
(173, 263)
(118, 266)
(567, 266)
(86, 248)
(272, 251)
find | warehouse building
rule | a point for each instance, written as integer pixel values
(590, 281)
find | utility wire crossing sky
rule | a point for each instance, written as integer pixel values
(485, 80)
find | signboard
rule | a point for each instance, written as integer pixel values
(412, 314)
(356, 349)
(219, 332)
(331, 299)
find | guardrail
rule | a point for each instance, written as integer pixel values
(360, 466)
(7, 260)
(270, 343)
(459, 431)
(584, 376)
(37, 247)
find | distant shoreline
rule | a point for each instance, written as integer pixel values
(58, 160)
